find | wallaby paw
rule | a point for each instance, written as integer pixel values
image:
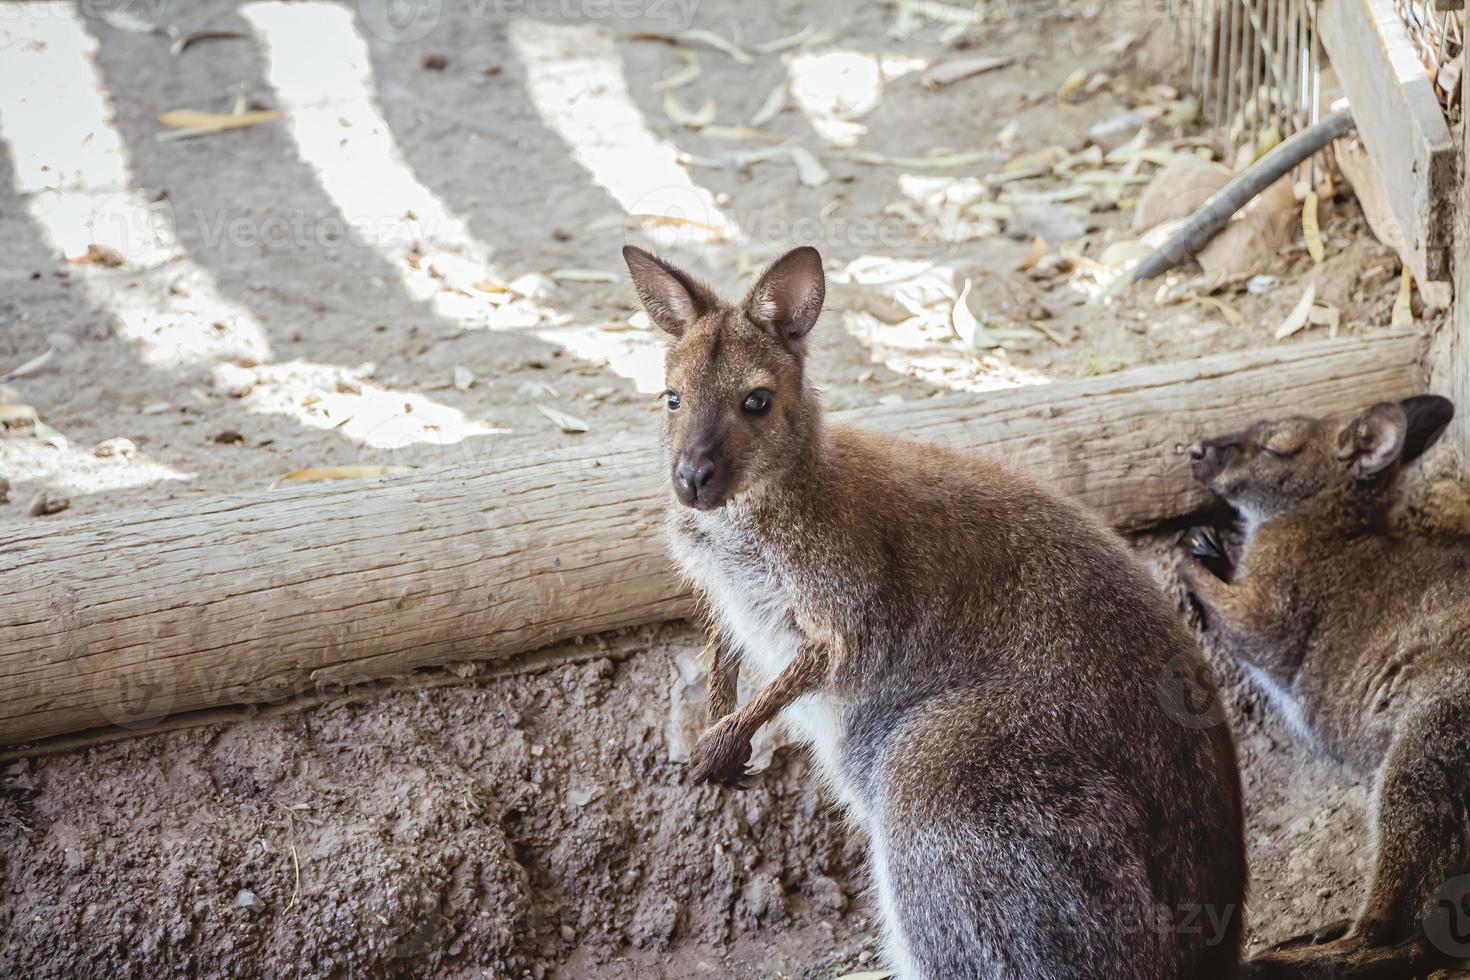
(1203, 543)
(720, 756)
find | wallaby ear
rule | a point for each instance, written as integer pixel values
(673, 298)
(1375, 440)
(1429, 416)
(787, 299)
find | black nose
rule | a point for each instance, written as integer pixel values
(694, 474)
(1197, 452)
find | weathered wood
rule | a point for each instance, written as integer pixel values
(1401, 124)
(122, 619)
(1454, 375)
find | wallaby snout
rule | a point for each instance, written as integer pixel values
(696, 480)
(1209, 456)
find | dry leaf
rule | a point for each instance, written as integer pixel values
(694, 120)
(1037, 253)
(1297, 318)
(787, 43)
(682, 77)
(95, 254)
(316, 473)
(1231, 314)
(582, 275)
(809, 169)
(1311, 233)
(563, 421)
(965, 325)
(32, 366)
(15, 416)
(183, 41)
(949, 72)
(1326, 315)
(1124, 255)
(939, 161)
(464, 378)
(707, 39)
(674, 221)
(736, 134)
(1403, 312)
(939, 12)
(191, 122)
(867, 975)
(771, 107)
(1069, 87)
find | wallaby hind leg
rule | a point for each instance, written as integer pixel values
(1420, 820)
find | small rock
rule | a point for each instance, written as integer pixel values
(568, 933)
(435, 62)
(4, 490)
(464, 378)
(119, 446)
(228, 437)
(44, 505)
(245, 898)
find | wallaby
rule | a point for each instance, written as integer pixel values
(1361, 637)
(974, 661)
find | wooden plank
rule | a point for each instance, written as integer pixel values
(1401, 125)
(1453, 374)
(125, 618)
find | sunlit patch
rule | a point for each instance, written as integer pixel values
(836, 88)
(322, 73)
(636, 355)
(574, 79)
(327, 396)
(73, 173)
(76, 471)
(914, 335)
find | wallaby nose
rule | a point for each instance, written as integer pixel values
(694, 474)
(1197, 452)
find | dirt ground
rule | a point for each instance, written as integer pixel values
(411, 266)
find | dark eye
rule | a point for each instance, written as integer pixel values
(672, 398)
(757, 402)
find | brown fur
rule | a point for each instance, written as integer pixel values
(976, 661)
(1367, 633)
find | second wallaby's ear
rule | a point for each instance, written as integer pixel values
(673, 298)
(1375, 440)
(1429, 416)
(788, 297)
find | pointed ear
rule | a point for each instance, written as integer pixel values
(787, 298)
(673, 298)
(1375, 440)
(1429, 416)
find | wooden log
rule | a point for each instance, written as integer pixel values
(1453, 376)
(123, 619)
(1401, 124)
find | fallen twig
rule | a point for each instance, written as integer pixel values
(1215, 212)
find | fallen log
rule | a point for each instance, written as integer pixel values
(121, 620)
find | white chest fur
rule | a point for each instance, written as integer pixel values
(752, 611)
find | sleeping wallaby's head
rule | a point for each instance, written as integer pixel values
(1275, 466)
(739, 408)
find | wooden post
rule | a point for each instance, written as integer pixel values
(125, 618)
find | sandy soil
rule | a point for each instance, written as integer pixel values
(535, 824)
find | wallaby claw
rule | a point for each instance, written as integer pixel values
(1204, 543)
(720, 756)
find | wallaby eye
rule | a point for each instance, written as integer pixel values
(1281, 447)
(757, 402)
(672, 399)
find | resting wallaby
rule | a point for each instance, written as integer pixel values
(973, 660)
(1362, 638)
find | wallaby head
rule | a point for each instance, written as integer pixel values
(739, 406)
(1274, 467)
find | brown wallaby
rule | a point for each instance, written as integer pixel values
(1362, 638)
(975, 661)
